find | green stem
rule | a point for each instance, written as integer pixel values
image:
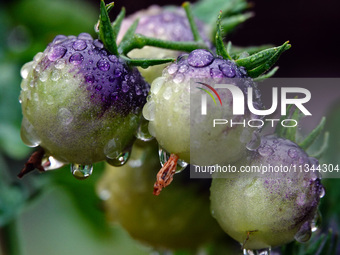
(139, 41)
(191, 19)
(9, 239)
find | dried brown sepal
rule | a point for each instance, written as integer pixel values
(34, 162)
(165, 175)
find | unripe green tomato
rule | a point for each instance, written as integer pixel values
(176, 219)
(272, 209)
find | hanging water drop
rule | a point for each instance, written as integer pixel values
(81, 172)
(120, 160)
(316, 222)
(26, 68)
(142, 132)
(164, 157)
(255, 142)
(322, 192)
(28, 134)
(113, 149)
(304, 233)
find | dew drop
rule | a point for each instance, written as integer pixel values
(167, 93)
(55, 75)
(125, 87)
(183, 68)
(60, 64)
(138, 90)
(28, 134)
(322, 192)
(24, 85)
(228, 70)
(38, 56)
(200, 58)
(103, 65)
(216, 74)
(120, 160)
(65, 116)
(172, 68)
(112, 58)
(81, 172)
(157, 84)
(50, 163)
(79, 45)
(113, 149)
(316, 222)
(164, 157)
(89, 78)
(97, 43)
(25, 69)
(117, 73)
(104, 194)
(304, 233)
(142, 132)
(178, 78)
(149, 110)
(292, 153)
(59, 39)
(76, 59)
(265, 151)
(85, 36)
(56, 52)
(43, 76)
(255, 142)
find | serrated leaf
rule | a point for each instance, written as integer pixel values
(220, 49)
(262, 61)
(268, 64)
(237, 50)
(309, 140)
(106, 33)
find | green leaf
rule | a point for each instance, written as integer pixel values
(220, 49)
(290, 132)
(310, 139)
(207, 10)
(125, 45)
(230, 23)
(117, 23)
(237, 51)
(280, 130)
(262, 61)
(106, 33)
(323, 147)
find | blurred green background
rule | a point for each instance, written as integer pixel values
(55, 213)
